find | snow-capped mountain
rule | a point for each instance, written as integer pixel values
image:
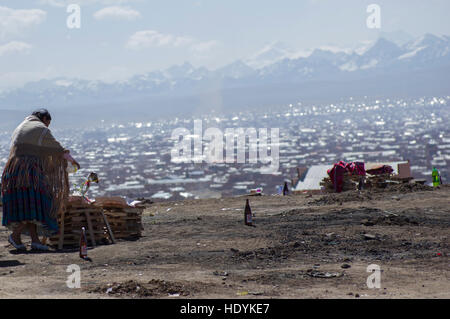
(398, 37)
(269, 54)
(418, 66)
(235, 70)
(382, 53)
(427, 48)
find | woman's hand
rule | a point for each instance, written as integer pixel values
(74, 162)
(68, 157)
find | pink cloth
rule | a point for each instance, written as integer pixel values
(338, 170)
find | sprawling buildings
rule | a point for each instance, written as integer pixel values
(135, 159)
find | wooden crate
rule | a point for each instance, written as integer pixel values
(99, 218)
(80, 214)
(125, 222)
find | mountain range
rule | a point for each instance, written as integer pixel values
(272, 77)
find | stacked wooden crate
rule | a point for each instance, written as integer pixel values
(78, 214)
(377, 181)
(105, 220)
(350, 182)
(124, 220)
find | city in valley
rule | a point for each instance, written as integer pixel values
(134, 159)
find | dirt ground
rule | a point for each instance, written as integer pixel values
(301, 247)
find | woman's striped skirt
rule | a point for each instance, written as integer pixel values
(28, 204)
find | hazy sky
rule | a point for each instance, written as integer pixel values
(119, 38)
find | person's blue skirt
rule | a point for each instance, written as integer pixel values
(28, 204)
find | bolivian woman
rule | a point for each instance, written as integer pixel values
(34, 181)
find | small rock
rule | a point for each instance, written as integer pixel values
(357, 295)
(255, 293)
(367, 222)
(345, 266)
(369, 236)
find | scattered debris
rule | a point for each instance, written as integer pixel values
(319, 274)
(153, 288)
(256, 192)
(221, 273)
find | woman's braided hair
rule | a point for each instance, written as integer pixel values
(42, 114)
